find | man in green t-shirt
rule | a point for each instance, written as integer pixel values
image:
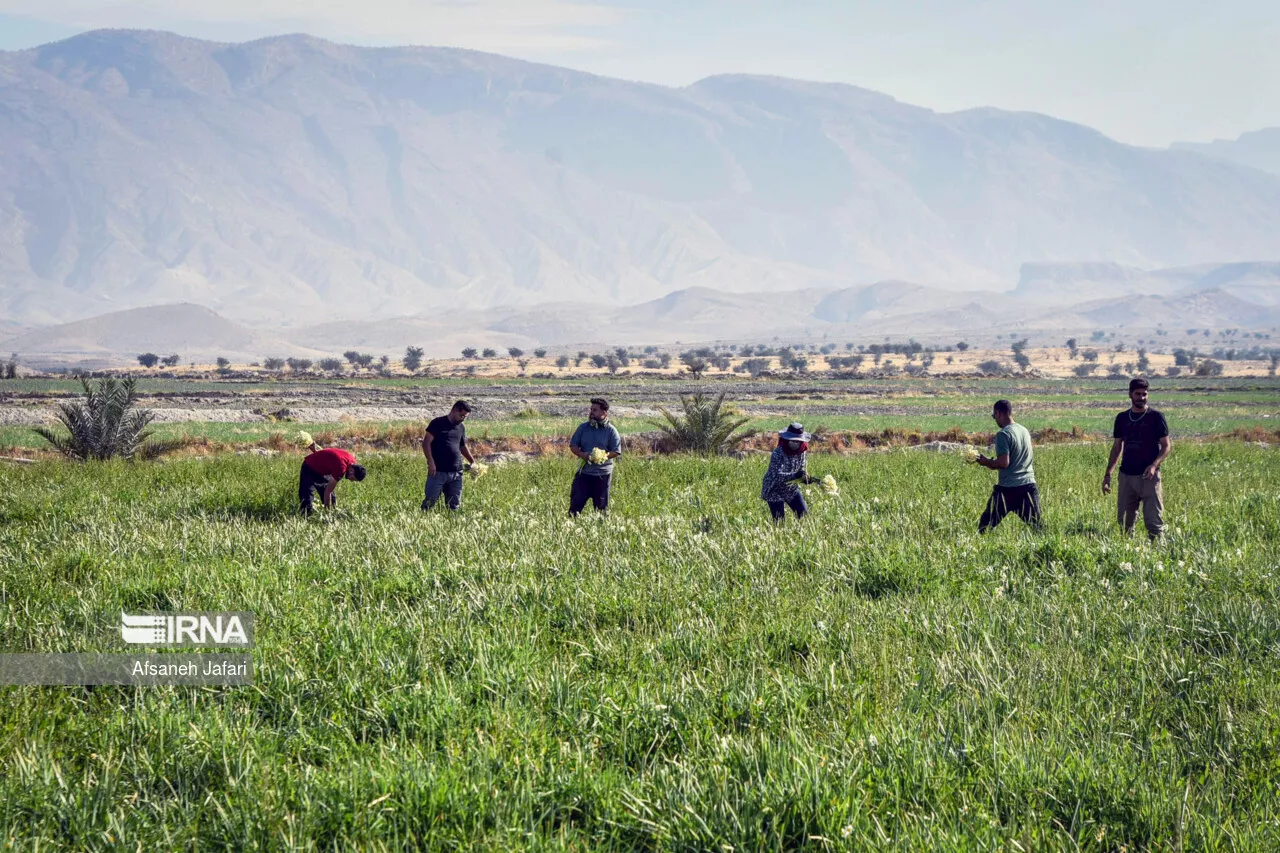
(1015, 490)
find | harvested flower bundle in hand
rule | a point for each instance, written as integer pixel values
(477, 470)
(598, 456)
(304, 438)
(970, 453)
(829, 485)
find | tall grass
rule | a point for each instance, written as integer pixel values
(680, 675)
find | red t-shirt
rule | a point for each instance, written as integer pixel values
(331, 462)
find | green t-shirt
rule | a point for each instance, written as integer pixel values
(1016, 441)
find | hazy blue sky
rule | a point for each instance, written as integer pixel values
(1143, 71)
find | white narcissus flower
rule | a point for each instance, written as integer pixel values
(598, 456)
(478, 470)
(305, 439)
(829, 485)
(970, 453)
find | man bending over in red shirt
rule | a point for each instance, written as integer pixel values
(321, 471)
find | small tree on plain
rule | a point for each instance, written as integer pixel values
(273, 364)
(223, 362)
(696, 365)
(515, 352)
(1019, 354)
(962, 346)
(540, 352)
(1071, 347)
(412, 359)
(171, 360)
(490, 352)
(562, 362)
(148, 359)
(469, 352)
(352, 357)
(331, 365)
(1209, 367)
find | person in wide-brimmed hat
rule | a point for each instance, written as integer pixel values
(786, 465)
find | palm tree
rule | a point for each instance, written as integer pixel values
(105, 423)
(707, 426)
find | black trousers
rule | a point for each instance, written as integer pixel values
(778, 509)
(593, 487)
(311, 483)
(1023, 501)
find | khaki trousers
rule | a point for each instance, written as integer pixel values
(1132, 491)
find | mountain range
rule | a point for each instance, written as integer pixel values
(1257, 149)
(1050, 303)
(291, 182)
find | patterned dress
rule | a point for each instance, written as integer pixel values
(778, 480)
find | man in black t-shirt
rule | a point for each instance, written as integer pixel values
(1143, 436)
(445, 446)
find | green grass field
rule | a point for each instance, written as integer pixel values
(679, 676)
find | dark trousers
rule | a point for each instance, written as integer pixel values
(778, 509)
(448, 483)
(311, 483)
(1024, 501)
(589, 486)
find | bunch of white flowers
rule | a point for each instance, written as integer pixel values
(304, 438)
(970, 453)
(598, 456)
(829, 485)
(477, 470)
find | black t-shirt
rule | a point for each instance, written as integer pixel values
(1141, 434)
(447, 441)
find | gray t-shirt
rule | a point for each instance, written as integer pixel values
(591, 435)
(1016, 441)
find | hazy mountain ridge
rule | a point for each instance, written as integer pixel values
(1257, 149)
(1245, 296)
(291, 181)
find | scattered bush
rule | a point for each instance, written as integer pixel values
(1209, 367)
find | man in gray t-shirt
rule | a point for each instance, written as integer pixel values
(1015, 490)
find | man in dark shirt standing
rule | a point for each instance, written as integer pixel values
(445, 446)
(1143, 436)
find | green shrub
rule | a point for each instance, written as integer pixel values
(706, 425)
(105, 424)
